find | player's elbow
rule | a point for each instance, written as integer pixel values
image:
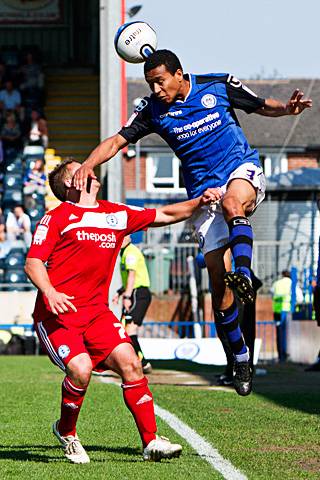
(27, 268)
(30, 266)
(162, 219)
(116, 143)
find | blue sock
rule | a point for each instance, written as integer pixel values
(240, 239)
(229, 321)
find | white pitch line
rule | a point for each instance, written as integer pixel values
(201, 446)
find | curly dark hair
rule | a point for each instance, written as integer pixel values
(163, 57)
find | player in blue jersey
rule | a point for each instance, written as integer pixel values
(195, 115)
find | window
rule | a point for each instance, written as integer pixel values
(164, 173)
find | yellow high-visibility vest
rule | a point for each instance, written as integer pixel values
(281, 300)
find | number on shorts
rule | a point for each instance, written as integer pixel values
(250, 174)
(122, 331)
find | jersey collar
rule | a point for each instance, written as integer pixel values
(82, 206)
(190, 88)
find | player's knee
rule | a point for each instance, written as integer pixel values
(232, 206)
(80, 372)
(222, 300)
(132, 370)
(131, 329)
(82, 377)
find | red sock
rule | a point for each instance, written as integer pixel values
(139, 401)
(72, 398)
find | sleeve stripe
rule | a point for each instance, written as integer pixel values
(45, 220)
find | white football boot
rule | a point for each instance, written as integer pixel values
(71, 445)
(159, 448)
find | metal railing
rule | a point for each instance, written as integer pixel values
(167, 264)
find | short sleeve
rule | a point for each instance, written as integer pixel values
(11, 222)
(139, 218)
(44, 239)
(131, 261)
(240, 96)
(139, 124)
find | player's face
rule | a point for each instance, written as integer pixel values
(164, 85)
(73, 167)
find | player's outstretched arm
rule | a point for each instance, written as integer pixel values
(177, 212)
(37, 272)
(102, 153)
(295, 105)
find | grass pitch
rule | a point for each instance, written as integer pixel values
(272, 434)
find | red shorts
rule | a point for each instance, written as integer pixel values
(94, 330)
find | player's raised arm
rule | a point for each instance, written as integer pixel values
(102, 153)
(178, 212)
(294, 106)
(37, 272)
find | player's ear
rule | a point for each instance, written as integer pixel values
(68, 182)
(179, 75)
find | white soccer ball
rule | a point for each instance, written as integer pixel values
(135, 41)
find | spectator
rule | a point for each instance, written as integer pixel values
(38, 131)
(35, 179)
(10, 99)
(32, 75)
(3, 74)
(11, 134)
(281, 303)
(18, 225)
(5, 247)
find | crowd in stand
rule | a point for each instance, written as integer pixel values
(23, 140)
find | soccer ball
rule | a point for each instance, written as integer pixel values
(135, 41)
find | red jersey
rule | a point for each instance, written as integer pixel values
(80, 245)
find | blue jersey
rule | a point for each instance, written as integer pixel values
(202, 130)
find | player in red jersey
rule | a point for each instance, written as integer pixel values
(79, 240)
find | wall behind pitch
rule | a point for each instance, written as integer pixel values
(17, 307)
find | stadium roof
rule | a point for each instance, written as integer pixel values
(300, 179)
(264, 133)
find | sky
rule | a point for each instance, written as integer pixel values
(248, 38)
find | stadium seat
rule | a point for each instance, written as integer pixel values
(17, 280)
(13, 181)
(14, 259)
(36, 213)
(10, 55)
(2, 270)
(38, 199)
(11, 154)
(11, 197)
(15, 166)
(16, 275)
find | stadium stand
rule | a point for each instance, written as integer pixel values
(20, 69)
